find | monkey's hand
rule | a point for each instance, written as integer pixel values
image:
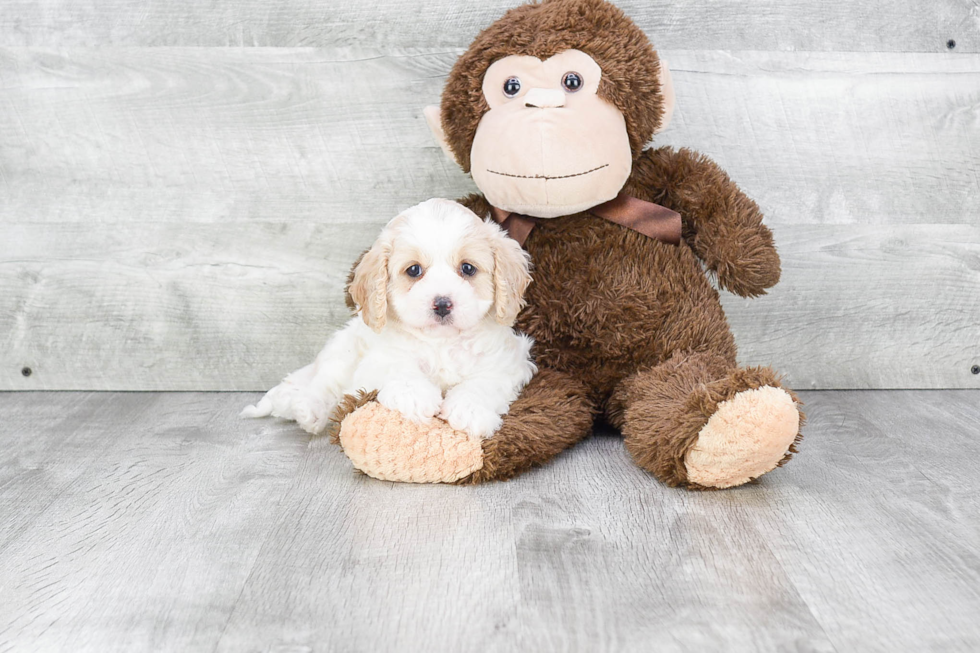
(720, 223)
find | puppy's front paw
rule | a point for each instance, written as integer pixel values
(464, 413)
(311, 414)
(418, 402)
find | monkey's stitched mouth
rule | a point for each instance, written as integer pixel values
(577, 174)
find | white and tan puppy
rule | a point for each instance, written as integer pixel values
(437, 296)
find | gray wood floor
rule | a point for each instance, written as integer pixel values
(162, 522)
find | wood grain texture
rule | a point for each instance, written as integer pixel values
(195, 135)
(149, 546)
(161, 305)
(180, 307)
(834, 25)
(36, 471)
(907, 462)
(183, 528)
(204, 135)
(183, 218)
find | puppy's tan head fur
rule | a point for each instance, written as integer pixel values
(511, 276)
(368, 286)
(438, 251)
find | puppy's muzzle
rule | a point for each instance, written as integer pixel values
(442, 306)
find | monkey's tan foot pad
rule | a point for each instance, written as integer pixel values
(747, 436)
(385, 445)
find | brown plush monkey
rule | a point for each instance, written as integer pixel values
(549, 111)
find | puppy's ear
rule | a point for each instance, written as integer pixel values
(511, 276)
(368, 287)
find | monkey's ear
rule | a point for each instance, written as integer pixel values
(433, 116)
(667, 90)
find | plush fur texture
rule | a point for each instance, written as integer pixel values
(422, 453)
(551, 415)
(437, 295)
(625, 325)
(663, 410)
(543, 166)
(745, 437)
(630, 66)
(616, 304)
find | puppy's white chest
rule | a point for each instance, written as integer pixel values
(450, 365)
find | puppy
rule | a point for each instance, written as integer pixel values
(437, 295)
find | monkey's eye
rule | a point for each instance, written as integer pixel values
(414, 271)
(468, 269)
(572, 82)
(512, 86)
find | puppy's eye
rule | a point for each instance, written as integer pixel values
(512, 86)
(572, 82)
(468, 269)
(414, 271)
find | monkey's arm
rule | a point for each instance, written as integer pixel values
(720, 223)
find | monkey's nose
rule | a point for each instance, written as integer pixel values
(442, 306)
(544, 98)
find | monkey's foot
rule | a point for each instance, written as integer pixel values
(384, 444)
(747, 436)
(551, 414)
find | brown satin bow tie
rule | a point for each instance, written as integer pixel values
(651, 220)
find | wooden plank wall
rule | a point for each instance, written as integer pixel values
(184, 185)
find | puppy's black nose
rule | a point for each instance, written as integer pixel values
(442, 306)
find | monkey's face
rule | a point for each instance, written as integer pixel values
(549, 146)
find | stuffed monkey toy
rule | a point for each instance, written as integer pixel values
(549, 110)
